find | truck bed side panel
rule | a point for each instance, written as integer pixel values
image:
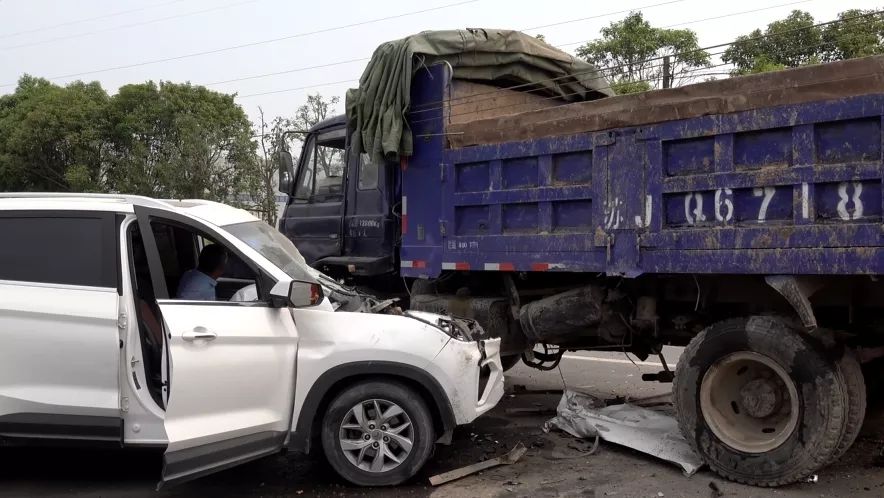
(792, 189)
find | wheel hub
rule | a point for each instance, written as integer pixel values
(749, 402)
(759, 398)
(376, 435)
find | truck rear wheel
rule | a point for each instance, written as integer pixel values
(855, 386)
(760, 402)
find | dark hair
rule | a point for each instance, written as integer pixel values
(212, 257)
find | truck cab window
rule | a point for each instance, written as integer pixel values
(321, 178)
(368, 172)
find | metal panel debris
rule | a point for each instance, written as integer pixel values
(632, 426)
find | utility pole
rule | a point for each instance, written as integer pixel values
(667, 72)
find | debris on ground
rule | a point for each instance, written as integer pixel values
(530, 411)
(632, 426)
(716, 491)
(522, 389)
(507, 459)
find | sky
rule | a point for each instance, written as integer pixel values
(317, 45)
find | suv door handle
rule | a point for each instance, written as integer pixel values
(198, 333)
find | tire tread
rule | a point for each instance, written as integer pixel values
(776, 330)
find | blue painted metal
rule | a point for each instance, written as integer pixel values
(791, 189)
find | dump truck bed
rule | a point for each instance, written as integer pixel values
(774, 175)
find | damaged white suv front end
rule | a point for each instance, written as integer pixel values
(348, 361)
(377, 387)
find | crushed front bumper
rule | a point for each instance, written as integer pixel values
(474, 376)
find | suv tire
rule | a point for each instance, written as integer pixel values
(387, 443)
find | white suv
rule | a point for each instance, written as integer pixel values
(93, 347)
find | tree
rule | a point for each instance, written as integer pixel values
(271, 139)
(630, 52)
(285, 134)
(797, 41)
(51, 136)
(789, 42)
(314, 111)
(179, 141)
(859, 33)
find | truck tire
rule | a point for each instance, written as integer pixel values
(760, 402)
(377, 433)
(853, 382)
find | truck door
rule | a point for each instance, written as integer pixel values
(313, 218)
(231, 369)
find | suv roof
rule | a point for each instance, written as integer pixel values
(210, 211)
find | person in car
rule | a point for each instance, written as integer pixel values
(199, 283)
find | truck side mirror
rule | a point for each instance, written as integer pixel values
(286, 172)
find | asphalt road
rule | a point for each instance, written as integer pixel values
(555, 465)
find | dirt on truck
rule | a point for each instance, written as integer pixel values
(740, 218)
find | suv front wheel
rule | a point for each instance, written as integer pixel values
(377, 433)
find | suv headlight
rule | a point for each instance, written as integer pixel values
(463, 329)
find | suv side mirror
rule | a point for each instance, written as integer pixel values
(297, 294)
(286, 172)
(304, 294)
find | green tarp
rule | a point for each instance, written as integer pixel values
(377, 109)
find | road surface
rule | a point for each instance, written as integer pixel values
(554, 465)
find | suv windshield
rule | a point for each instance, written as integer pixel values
(274, 246)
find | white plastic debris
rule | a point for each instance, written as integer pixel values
(638, 428)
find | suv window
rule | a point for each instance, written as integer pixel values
(59, 249)
(179, 247)
(321, 178)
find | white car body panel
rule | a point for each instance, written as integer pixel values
(60, 349)
(237, 384)
(330, 339)
(143, 417)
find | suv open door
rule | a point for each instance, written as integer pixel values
(231, 370)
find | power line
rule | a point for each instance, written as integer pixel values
(723, 16)
(125, 26)
(285, 90)
(738, 13)
(79, 21)
(287, 71)
(252, 44)
(440, 103)
(692, 73)
(349, 61)
(554, 97)
(570, 21)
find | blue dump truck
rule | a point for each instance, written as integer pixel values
(741, 218)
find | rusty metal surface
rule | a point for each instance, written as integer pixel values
(793, 86)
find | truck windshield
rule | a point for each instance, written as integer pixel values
(274, 246)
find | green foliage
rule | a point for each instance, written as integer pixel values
(859, 34)
(624, 86)
(624, 50)
(789, 42)
(797, 41)
(178, 141)
(45, 130)
(166, 140)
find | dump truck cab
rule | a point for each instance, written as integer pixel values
(342, 209)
